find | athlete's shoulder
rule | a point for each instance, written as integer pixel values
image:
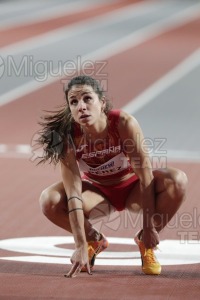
(127, 124)
(125, 118)
(118, 114)
(122, 119)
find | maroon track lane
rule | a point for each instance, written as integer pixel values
(36, 281)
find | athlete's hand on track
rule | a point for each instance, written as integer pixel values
(150, 238)
(79, 259)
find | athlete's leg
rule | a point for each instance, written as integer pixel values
(53, 202)
(170, 189)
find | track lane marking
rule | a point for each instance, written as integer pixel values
(170, 78)
(48, 13)
(47, 250)
(114, 48)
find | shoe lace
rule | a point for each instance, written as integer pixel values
(149, 256)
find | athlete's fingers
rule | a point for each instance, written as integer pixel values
(72, 270)
(77, 271)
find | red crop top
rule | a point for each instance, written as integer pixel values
(104, 157)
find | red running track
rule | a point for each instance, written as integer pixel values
(22, 182)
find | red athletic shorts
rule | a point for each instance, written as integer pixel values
(116, 194)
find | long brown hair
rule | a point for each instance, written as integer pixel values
(57, 126)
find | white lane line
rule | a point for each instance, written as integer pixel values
(8, 7)
(185, 250)
(25, 89)
(183, 155)
(64, 32)
(26, 151)
(109, 18)
(163, 83)
(160, 160)
(114, 48)
(15, 151)
(49, 13)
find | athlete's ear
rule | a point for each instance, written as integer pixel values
(103, 103)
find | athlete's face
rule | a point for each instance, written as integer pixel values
(85, 105)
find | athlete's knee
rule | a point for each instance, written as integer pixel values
(180, 183)
(48, 202)
(44, 201)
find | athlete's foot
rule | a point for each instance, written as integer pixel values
(94, 248)
(150, 264)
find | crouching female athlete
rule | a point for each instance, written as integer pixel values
(98, 150)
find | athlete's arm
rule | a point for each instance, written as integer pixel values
(73, 187)
(133, 143)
